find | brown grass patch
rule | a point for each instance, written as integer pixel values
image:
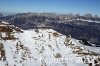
(58, 55)
(9, 36)
(5, 29)
(2, 52)
(55, 34)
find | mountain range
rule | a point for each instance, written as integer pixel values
(85, 28)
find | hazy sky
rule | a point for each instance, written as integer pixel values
(59, 6)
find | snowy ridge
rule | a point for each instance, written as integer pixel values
(44, 47)
(84, 20)
(89, 20)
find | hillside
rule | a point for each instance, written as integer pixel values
(43, 47)
(79, 27)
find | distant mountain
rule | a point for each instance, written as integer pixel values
(1, 15)
(80, 27)
(43, 47)
(6, 14)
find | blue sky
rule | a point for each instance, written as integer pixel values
(59, 6)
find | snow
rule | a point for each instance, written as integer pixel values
(89, 20)
(40, 48)
(94, 49)
(5, 22)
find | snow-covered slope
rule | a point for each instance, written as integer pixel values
(43, 47)
(89, 20)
